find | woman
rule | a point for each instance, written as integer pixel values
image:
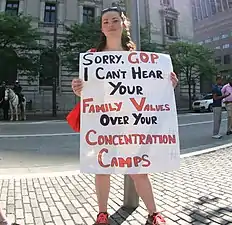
(116, 37)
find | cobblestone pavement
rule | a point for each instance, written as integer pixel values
(199, 193)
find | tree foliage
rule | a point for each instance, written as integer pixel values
(146, 44)
(80, 38)
(193, 62)
(18, 45)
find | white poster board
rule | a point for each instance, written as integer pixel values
(128, 113)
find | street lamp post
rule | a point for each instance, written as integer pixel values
(55, 71)
(131, 198)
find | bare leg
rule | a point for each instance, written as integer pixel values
(16, 113)
(102, 183)
(11, 112)
(20, 112)
(144, 190)
(24, 111)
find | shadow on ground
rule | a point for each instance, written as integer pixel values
(208, 210)
(120, 215)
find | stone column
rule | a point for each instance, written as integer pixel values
(176, 26)
(61, 12)
(80, 12)
(172, 4)
(97, 12)
(42, 10)
(2, 5)
(21, 6)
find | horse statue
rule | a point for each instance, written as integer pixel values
(15, 106)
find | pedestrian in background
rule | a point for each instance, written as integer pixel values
(217, 107)
(227, 90)
(3, 103)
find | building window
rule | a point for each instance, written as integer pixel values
(12, 8)
(226, 59)
(49, 13)
(226, 46)
(218, 60)
(230, 4)
(88, 14)
(171, 27)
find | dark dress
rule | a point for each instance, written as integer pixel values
(4, 104)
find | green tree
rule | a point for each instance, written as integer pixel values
(18, 47)
(193, 62)
(145, 40)
(80, 38)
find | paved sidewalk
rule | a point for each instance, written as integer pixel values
(199, 193)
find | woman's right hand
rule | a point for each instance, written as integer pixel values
(77, 86)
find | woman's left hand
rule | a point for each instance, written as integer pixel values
(174, 79)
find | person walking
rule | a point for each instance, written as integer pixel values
(115, 36)
(227, 90)
(217, 107)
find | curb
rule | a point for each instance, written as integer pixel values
(37, 117)
(75, 172)
(39, 175)
(205, 151)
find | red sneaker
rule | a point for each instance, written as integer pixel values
(156, 219)
(102, 219)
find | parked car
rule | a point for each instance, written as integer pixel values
(204, 104)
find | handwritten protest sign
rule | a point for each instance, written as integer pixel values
(128, 113)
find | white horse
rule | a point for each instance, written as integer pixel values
(19, 109)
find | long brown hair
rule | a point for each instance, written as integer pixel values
(127, 43)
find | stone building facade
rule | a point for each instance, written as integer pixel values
(170, 21)
(213, 29)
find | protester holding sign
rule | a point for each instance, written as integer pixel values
(116, 38)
